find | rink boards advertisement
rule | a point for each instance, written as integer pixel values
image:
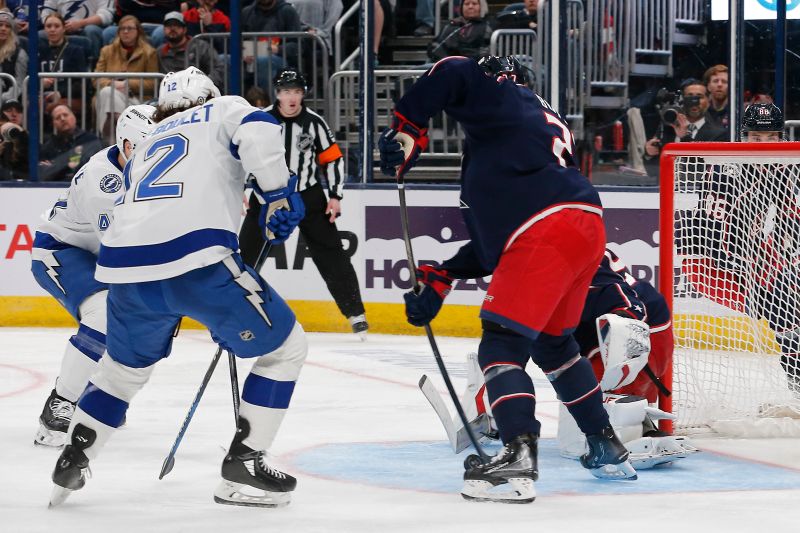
(372, 235)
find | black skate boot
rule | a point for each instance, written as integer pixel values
(248, 480)
(72, 467)
(607, 457)
(515, 467)
(54, 421)
(359, 325)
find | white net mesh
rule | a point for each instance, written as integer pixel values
(737, 295)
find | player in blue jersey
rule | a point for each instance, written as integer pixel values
(64, 257)
(535, 224)
(171, 252)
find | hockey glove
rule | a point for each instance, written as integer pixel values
(411, 140)
(281, 211)
(423, 306)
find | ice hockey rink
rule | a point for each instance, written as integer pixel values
(367, 449)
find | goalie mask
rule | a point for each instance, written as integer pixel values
(762, 118)
(504, 67)
(185, 89)
(133, 125)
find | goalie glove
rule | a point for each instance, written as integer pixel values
(281, 211)
(400, 146)
(624, 349)
(423, 306)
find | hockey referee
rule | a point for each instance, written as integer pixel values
(311, 150)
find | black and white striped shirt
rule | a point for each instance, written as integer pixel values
(310, 146)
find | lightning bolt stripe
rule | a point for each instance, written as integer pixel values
(51, 263)
(249, 284)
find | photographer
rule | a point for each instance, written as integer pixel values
(684, 118)
(13, 151)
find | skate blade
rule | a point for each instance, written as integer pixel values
(58, 496)
(230, 493)
(622, 470)
(523, 491)
(49, 438)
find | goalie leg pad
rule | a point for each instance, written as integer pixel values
(648, 452)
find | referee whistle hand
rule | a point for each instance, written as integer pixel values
(334, 210)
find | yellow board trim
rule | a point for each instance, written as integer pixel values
(453, 321)
(696, 331)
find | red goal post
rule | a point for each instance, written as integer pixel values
(679, 162)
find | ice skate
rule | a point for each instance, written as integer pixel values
(248, 480)
(514, 468)
(607, 457)
(54, 421)
(359, 325)
(72, 467)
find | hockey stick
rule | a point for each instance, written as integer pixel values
(234, 387)
(657, 382)
(431, 339)
(169, 462)
(458, 437)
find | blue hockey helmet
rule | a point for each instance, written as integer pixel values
(504, 67)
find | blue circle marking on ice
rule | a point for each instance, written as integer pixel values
(772, 5)
(432, 467)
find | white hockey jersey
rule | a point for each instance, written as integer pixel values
(183, 190)
(82, 214)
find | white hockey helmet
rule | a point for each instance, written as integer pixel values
(186, 88)
(133, 125)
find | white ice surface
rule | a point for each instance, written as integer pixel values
(348, 392)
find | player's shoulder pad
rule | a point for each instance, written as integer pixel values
(100, 175)
(453, 63)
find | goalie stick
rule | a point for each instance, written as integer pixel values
(428, 331)
(459, 439)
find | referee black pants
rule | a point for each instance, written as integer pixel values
(324, 246)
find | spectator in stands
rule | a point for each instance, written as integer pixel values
(87, 19)
(68, 148)
(257, 97)
(129, 52)
(20, 10)
(694, 124)
(716, 81)
(270, 16)
(382, 10)
(425, 18)
(206, 18)
(467, 35)
(12, 112)
(13, 59)
(13, 150)
(180, 51)
(518, 16)
(150, 14)
(58, 54)
(319, 17)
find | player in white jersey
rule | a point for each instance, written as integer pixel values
(171, 252)
(64, 257)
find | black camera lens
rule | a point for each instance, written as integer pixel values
(669, 116)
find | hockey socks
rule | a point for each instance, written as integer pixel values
(577, 387)
(83, 351)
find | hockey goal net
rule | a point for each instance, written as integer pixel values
(730, 269)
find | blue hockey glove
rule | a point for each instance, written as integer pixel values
(422, 307)
(412, 140)
(281, 211)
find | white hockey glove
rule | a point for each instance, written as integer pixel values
(624, 348)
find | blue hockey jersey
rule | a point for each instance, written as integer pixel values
(517, 164)
(615, 290)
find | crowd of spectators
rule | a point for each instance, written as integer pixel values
(152, 36)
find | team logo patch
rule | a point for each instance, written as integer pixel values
(246, 335)
(110, 183)
(305, 142)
